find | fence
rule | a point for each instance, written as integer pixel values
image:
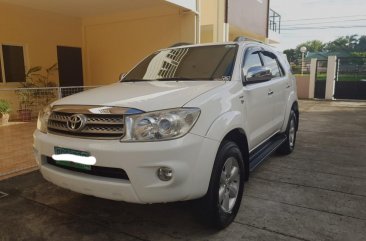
(16, 152)
(27, 102)
(299, 67)
(350, 78)
(320, 79)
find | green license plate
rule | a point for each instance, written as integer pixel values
(60, 150)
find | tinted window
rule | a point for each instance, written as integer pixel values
(193, 63)
(14, 67)
(251, 59)
(270, 61)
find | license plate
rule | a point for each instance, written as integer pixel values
(60, 150)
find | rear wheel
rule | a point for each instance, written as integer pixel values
(222, 201)
(289, 145)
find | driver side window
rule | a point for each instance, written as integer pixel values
(251, 59)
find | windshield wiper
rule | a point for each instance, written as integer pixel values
(137, 80)
(175, 78)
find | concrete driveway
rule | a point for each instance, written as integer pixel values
(317, 193)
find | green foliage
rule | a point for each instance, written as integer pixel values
(4, 107)
(29, 91)
(294, 55)
(347, 44)
(358, 54)
(311, 46)
(344, 43)
(361, 46)
(291, 54)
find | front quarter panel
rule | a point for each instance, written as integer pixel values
(224, 124)
(221, 111)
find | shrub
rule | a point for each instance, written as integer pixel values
(4, 107)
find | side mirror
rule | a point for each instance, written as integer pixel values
(257, 74)
(122, 76)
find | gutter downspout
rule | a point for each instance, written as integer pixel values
(198, 22)
(226, 22)
(222, 19)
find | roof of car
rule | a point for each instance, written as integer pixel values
(240, 43)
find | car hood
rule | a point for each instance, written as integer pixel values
(146, 96)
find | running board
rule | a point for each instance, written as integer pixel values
(265, 150)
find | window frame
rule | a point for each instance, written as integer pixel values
(248, 51)
(280, 67)
(2, 66)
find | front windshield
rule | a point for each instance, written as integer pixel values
(214, 62)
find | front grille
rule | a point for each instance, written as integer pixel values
(99, 126)
(95, 170)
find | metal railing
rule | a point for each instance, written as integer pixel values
(27, 102)
(274, 21)
(301, 67)
(16, 151)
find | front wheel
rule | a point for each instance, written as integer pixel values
(289, 145)
(222, 201)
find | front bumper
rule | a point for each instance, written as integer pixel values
(191, 158)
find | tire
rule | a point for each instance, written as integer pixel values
(223, 198)
(289, 145)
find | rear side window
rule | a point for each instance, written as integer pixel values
(252, 59)
(270, 61)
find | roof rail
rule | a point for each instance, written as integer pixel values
(242, 38)
(180, 44)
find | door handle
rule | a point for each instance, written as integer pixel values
(288, 86)
(270, 92)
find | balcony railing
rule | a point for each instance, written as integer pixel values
(274, 21)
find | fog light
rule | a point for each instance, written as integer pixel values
(165, 173)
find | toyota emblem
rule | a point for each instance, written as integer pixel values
(76, 122)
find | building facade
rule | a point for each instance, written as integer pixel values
(94, 41)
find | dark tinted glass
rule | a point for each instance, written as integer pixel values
(252, 59)
(270, 61)
(13, 63)
(193, 63)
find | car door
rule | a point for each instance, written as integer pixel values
(279, 87)
(258, 102)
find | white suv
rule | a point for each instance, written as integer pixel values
(187, 122)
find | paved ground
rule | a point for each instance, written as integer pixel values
(15, 160)
(317, 193)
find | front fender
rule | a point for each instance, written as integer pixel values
(224, 124)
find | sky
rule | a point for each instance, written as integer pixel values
(336, 13)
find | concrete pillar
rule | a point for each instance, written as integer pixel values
(331, 74)
(313, 64)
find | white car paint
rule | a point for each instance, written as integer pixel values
(146, 96)
(224, 105)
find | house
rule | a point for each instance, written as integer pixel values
(324, 55)
(93, 41)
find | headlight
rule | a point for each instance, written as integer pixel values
(160, 125)
(43, 116)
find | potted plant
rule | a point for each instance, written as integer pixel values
(4, 110)
(32, 93)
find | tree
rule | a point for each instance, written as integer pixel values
(293, 55)
(361, 46)
(344, 43)
(311, 46)
(351, 44)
